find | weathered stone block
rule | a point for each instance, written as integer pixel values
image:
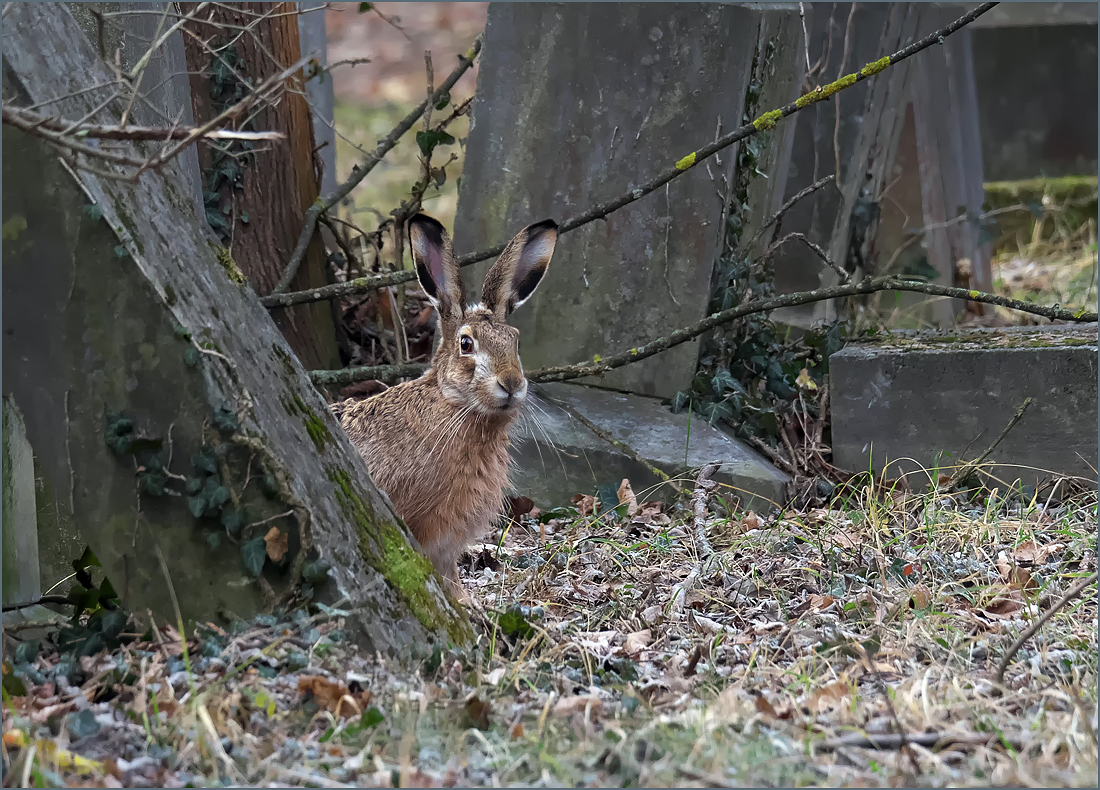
(558, 456)
(910, 399)
(578, 103)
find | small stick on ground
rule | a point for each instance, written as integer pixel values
(704, 485)
(1031, 630)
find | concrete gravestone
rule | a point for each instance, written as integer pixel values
(580, 102)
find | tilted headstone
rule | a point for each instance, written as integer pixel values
(578, 103)
(908, 150)
(144, 364)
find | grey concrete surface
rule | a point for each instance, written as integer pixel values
(559, 456)
(911, 398)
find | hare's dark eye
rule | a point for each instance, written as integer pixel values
(466, 344)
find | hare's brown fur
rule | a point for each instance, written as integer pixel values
(438, 446)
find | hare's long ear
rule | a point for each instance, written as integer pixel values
(519, 269)
(436, 268)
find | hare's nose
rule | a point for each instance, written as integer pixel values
(510, 384)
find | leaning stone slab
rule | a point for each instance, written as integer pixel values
(168, 417)
(558, 456)
(578, 103)
(929, 400)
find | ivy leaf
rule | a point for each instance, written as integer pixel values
(225, 419)
(514, 624)
(428, 140)
(191, 356)
(94, 211)
(194, 485)
(219, 497)
(153, 482)
(205, 461)
(254, 553)
(197, 505)
(213, 540)
(722, 381)
(365, 7)
(113, 623)
(444, 100)
(608, 496)
(107, 592)
(83, 724)
(231, 520)
(316, 571)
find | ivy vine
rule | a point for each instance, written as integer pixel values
(228, 159)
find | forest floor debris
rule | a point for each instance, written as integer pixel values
(848, 645)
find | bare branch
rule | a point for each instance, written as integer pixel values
(765, 122)
(683, 335)
(31, 122)
(360, 171)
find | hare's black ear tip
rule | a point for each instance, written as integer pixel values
(546, 226)
(429, 226)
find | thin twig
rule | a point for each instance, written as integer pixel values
(1030, 631)
(894, 741)
(820, 253)
(967, 469)
(683, 335)
(765, 122)
(360, 171)
(777, 216)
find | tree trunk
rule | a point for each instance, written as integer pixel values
(256, 204)
(117, 301)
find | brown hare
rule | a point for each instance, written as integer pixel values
(438, 446)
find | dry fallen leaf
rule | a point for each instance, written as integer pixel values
(636, 641)
(567, 706)
(626, 497)
(477, 712)
(277, 544)
(819, 603)
(1032, 553)
(750, 521)
(333, 697)
(920, 596)
(585, 504)
(494, 677)
(515, 732)
(805, 380)
(828, 697)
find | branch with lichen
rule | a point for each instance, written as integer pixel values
(358, 173)
(600, 365)
(766, 121)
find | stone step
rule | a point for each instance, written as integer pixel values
(558, 456)
(909, 398)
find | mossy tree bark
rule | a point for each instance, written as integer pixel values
(260, 219)
(117, 299)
